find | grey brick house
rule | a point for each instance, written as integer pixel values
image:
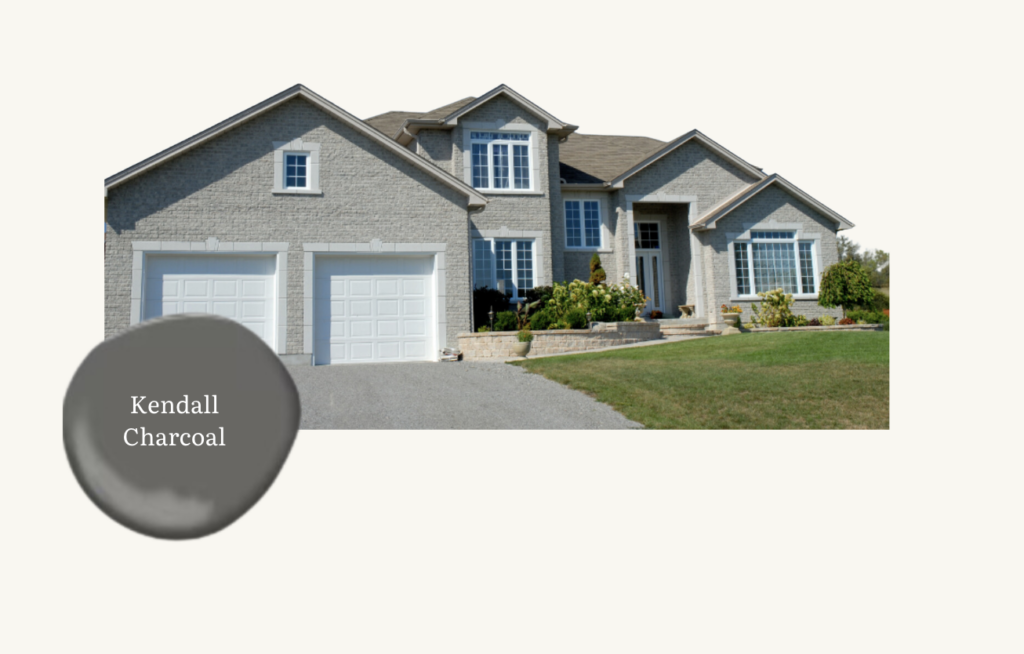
(343, 240)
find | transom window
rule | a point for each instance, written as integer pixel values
(583, 223)
(646, 236)
(504, 263)
(772, 260)
(295, 171)
(500, 160)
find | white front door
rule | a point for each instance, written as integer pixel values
(649, 263)
(240, 287)
(373, 308)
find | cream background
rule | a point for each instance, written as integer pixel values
(903, 117)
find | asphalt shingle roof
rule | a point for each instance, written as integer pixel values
(595, 158)
(390, 122)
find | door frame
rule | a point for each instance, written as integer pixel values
(661, 221)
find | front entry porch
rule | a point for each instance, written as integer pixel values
(662, 261)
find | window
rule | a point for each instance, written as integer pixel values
(583, 224)
(503, 262)
(772, 260)
(295, 170)
(500, 160)
(646, 236)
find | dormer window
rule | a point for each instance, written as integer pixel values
(501, 161)
(296, 168)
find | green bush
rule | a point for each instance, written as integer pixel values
(541, 294)
(483, 299)
(605, 302)
(597, 273)
(575, 319)
(879, 302)
(845, 284)
(524, 336)
(543, 319)
(775, 310)
(800, 321)
(505, 321)
(483, 329)
(827, 321)
(868, 316)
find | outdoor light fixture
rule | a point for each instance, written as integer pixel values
(588, 319)
(490, 316)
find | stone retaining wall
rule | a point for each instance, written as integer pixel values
(498, 345)
(809, 328)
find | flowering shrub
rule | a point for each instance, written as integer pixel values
(733, 309)
(605, 302)
(814, 322)
(827, 321)
(775, 311)
(847, 321)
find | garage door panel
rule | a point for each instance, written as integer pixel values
(232, 286)
(361, 328)
(387, 287)
(380, 307)
(415, 328)
(389, 350)
(361, 351)
(360, 287)
(387, 307)
(415, 349)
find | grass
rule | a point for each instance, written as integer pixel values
(787, 380)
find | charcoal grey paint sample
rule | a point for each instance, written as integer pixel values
(184, 489)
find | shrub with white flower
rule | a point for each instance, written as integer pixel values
(606, 303)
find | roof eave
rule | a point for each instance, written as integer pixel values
(555, 126)
(754, 171)
(728, 206)
(474, 198)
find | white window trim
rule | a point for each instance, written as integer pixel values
(514, 240)
(297, 146)
(801, 235)
(142, 249)
(500, 126)
(602, 239)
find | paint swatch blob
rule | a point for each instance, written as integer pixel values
(177, 427)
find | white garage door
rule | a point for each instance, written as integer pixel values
(239, 287)
(373, 308)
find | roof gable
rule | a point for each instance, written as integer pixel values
(731, 204)
(474, 198)
(693, 135)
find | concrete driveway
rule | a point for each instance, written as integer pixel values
(460, 395)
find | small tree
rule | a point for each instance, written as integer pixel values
(845, 284)
(597, 274)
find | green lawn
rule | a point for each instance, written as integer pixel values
(782, 380)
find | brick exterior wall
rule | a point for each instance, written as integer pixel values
(523, 211)
(435, 146)
(576, 263)
(775, 204)
(222, 189)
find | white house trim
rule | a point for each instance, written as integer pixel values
(802, 234)
(140, 250)
(540, 274)
(500, 126)
(297, 146)
(728, 206)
